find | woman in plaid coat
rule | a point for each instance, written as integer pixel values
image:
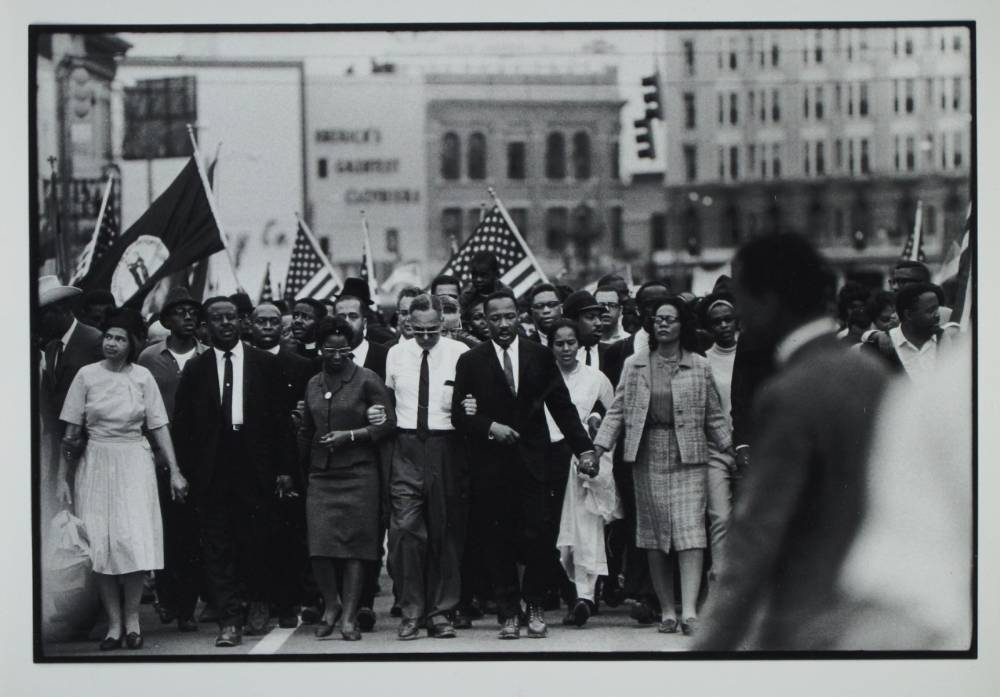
(669, 409)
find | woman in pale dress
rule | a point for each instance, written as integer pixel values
(668, 407)
(590, 501)
(114, 488)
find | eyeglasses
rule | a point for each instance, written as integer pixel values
(184, 312)
(665, 319)
(425, 331)
(550, 305)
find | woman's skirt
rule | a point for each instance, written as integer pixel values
(670, 497)
(342, 512)
(116, 498)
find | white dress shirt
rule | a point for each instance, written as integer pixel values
(361, 353)
(512, 351)
(402, 376)
(595, 356)
(220, 367)
(919, 363)
(274, 350)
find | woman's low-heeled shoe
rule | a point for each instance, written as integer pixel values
(110, 643)
(133, 640)
(668, 626)
(689, 626)
(352, 634)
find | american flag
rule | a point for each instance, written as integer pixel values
(962, 311)
(310, 274)
(106, 231)
(266, 292)
(914, 249)
(518, 269)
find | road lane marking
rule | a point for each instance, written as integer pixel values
(274, 640)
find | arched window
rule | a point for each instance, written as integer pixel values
(555, 156)
(581, 155)
(477, 156)
(556, 222)
(691, 225)
(451, 156)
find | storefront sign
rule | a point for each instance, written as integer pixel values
(367, 166)
(352, 136)
(357, 196)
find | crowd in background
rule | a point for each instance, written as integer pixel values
(697, 458)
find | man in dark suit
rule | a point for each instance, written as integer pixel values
(623, 554)
(293, 556)
(583, 308)
(804, 496)
(373, 332)
(510, 380)
(67, 345)
(235, 444)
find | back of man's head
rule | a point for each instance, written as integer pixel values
(788, 266)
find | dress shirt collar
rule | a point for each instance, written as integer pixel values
(199, 347)
(802, 335)
(899, 340)
(274, 350)
(69, 333)
(498, 349)
(236, 350)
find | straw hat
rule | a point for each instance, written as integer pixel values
(51, 291)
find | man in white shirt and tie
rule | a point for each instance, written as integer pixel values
(428, 480)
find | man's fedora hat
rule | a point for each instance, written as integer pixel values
(51, 291)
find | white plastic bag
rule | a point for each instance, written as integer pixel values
(69, 585)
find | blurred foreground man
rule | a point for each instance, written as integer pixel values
(803, 498)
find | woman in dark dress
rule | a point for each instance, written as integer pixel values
(342, 498)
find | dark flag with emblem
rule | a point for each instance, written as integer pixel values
(266, 293)
(106, 231)
(310, 274)
(176, 231)
(496, 233)
(914, 249)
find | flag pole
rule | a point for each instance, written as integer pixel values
(211, 206)
(319, 250)
(517, 233)
(917, 231)
(92, 245)
(369, 261)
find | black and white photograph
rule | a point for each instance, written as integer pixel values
(593, 343)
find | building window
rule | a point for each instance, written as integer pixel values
(734, 115)
(838, 154)
(956, 93)
(805, 102)
(896, 156)
(451, 156)
(689, 113)
(615, 157)
(519, 216)
(722, 162)
(477, 156)
(944, 97)
(850, 100)
(908, 45)
(944, 152)
(515, 160)
(895, 96)
(392, 240)
(774, 54)
(805, 158)
(751, 104)
(909, 97)
(321, 168)
(863, 100)
(156, 116)
(819, 103)
(689, 56)
(617, 230)
(911, 155)
(818, 51)
(850, 156)
(556, 223)
(751, 160)
(956, 42)
(763, 162)
(763, 107)
(451, 224)
(929, 88)
(658, 231)
(865, 168)
(957, 154)
(776, 160)
(732, 54)
(555, 156)
(581, 155)
(734, 162)
(722, 108)
(820, 159)
(690, 162)
(895, 43)
(928, 147)
(775, 106)
(473, 216)
(837, 98)
(930, 221)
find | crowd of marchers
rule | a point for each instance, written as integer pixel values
(702, 459)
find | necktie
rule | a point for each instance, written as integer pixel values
(588, 355)
(227, 393)
(423, 398)
(56, 356)
(508, 371)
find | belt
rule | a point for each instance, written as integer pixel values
(430, 433)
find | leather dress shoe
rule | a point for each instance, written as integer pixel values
(441, 630)
(167, 616)
(460, 620)
(689, 626)
(323, 630)
(536, 622)
(642, 613)
(187, 625)
(311, 614)
(408, 629)
(229, 636)
(209, 614)
(288, 621)
(351, 634)
(366, 619)
(395, 611)
(581, 612)
(257, 618)
(110, 643)
(511, 629)
(133, 640)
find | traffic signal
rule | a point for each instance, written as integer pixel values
(644, 138)
(859, 239)
(652, 95)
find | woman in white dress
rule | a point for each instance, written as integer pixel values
(590, 501)
(114, 488)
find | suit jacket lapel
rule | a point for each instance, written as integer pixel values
(50, 355)
(641, 363)
(212, 379)
(522, 366)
